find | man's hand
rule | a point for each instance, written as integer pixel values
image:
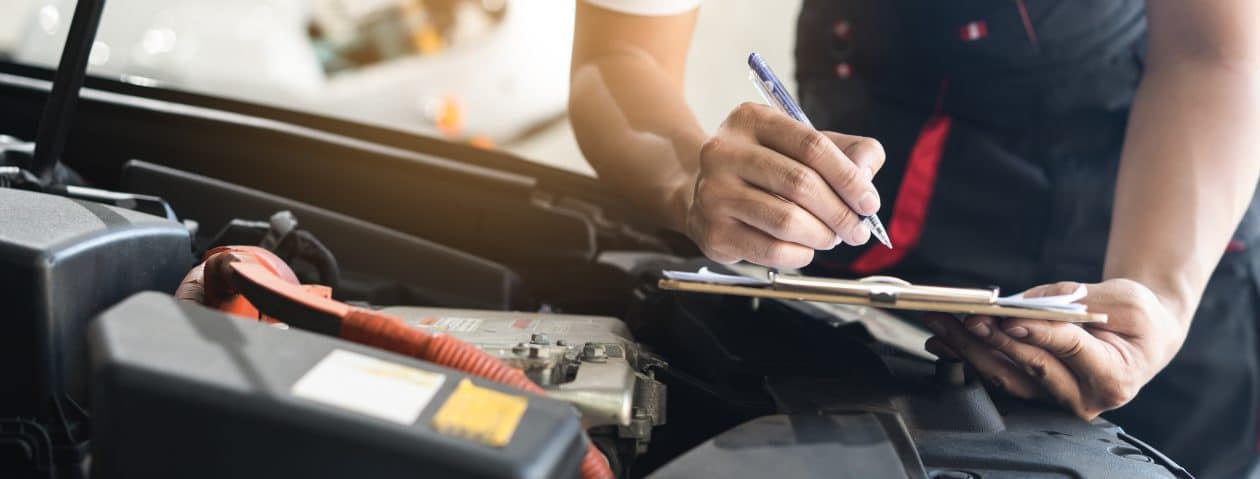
(1088, 369)
(771, 190)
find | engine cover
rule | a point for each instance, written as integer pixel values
(185, 391)
(61, 262)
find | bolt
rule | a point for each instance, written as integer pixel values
(539, 338)
(594, 353)
(519, 349)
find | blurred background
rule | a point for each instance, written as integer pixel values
(493, 73)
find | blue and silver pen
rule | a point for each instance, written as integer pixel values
(777, 96)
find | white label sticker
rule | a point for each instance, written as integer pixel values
(369, 386)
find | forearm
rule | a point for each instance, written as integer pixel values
(1187, 174)
(636, 130)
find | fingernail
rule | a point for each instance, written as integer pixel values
(1017, 332)
(980, 329)
(860, 234)
(836, 243)
(868, 204)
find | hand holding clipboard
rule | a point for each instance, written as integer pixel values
(885, 292)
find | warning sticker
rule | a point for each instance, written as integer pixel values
(370, 386)
(452, 324)
(480, 414)
(522, 323)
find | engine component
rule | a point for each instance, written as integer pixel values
(309, 258)
(62, 261)
(386, 267)
(176, 381)
(252, 274)
(590, 361)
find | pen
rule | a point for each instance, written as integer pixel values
(776, 95)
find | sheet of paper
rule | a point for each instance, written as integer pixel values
(704, 275)
(1062, 302)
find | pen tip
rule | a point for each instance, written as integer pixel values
(878, 231)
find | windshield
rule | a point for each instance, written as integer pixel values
(493, 73)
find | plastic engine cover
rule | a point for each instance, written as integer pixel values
(184, 391)
(62, 261)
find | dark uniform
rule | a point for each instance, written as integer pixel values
(1003, 121)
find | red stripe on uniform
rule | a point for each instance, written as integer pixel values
(910, 208)
(1028, 26)
(1235, 246)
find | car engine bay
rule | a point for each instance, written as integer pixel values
(107, 374)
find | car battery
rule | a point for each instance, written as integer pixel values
(185, 391)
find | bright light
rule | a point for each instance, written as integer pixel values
(49, 18)
(158, 40)
(99, 55)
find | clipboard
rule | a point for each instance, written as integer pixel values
(882, 292)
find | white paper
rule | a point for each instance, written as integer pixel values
(370, 386)
(1062, 302)
(706, 276)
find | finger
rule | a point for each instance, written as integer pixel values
(1054, 289)
(1068, 342)
(995, 368)
(865, 152)
(815, 150)
(937, 346)
(744, 242)
(781, 219)
(798, 183)
(1050, 372)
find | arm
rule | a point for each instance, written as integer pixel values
(628, 110)
(1202, 76)
(725, 191)
(1187, 174)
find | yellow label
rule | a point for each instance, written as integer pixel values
(480, 414)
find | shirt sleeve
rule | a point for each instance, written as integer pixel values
(647, 7)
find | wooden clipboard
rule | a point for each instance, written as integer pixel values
(906, 304)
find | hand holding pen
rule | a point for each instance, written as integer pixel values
(772, 190)
(773, 92)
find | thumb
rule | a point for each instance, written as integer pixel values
(1053, 289)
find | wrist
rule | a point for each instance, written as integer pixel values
(1176, 300)
(677, 201)
(1175, 292)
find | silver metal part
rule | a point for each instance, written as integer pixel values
(591, 362)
